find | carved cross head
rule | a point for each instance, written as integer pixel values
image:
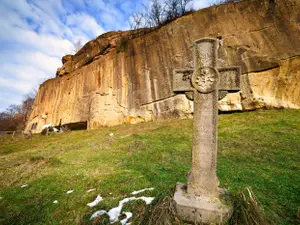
(206, 77)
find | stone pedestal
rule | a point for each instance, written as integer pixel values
(200, 209)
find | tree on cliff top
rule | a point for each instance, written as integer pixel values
(77, 46)
(158, 13)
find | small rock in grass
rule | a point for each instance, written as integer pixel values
(70, 191)
(55, 202)
(24, 185)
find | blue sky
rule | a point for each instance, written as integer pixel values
(35, 34)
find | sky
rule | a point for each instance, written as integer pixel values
(35, 34)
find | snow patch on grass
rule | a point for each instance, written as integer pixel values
(70, 191)
(114, 213)
(140, 191)
(128, 216)
(148, 200)
(96, 201)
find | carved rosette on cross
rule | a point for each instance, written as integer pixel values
(198, 201)
(205, 79)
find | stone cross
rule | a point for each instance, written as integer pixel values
(205, 81)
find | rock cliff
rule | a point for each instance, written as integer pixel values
(126, 77)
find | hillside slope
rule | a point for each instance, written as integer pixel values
(258, 149)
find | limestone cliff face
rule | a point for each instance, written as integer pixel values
(126, 77)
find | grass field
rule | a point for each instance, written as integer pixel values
(260, 149)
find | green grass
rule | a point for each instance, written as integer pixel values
(259, 149)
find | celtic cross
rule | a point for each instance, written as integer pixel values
(206, 81)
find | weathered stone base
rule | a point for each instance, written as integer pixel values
(200, 209)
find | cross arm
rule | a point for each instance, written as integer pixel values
(229, 79)
(181, 80)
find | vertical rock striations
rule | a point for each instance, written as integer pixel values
(126, 77)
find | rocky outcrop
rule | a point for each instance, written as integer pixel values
(126, 77)
(96, 48)
(278, 87)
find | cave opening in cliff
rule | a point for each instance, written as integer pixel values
(77, 126)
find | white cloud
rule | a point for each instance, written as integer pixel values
(47, 43)
(198, 4)
(8, 98)
(28, 71)
(99, 4)
(19, 85)
(84, 25)
(41, 61)
(33, 40)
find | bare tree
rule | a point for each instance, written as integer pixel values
(182, 6)
(171, 9)
(137, 21)
(15, 116)
(158, 13)
(175, 8)
(12, 110)
(77, 46)
(12, 117)
(27, 104)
